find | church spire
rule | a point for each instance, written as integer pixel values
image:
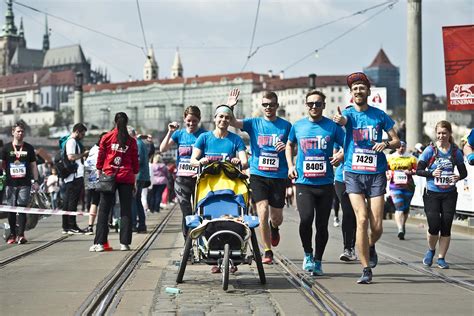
(150, 69)
(177, 68)
(46, 34)
(9, 28)
(21, 31)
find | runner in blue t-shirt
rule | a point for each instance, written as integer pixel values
(437, 163)
(365, 165)
(220, 144)
(185, 176)
(469, 148)
(268, 167)
(315, 136)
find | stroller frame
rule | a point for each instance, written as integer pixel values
(220, 230)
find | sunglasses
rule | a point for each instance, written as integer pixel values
(316, 104)
(269, 105)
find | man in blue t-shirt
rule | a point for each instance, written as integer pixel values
(365, 165)
(315, 137)
(268, 167)
(469, 148)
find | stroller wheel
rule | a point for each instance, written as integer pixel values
(257, 257)
(225, 270)
(184, 259)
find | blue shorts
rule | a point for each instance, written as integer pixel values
(371, 185)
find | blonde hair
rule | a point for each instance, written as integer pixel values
(157, 158)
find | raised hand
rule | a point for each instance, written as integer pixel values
(233, 98)
(173, 126)
(339, 118)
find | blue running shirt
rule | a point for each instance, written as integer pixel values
(185, 142)
(362, 130)
(315, 146)
(265, 161)
(219, 149)
(444, 161)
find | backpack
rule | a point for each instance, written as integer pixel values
(64, 166)
(454, 150)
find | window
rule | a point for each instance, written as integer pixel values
(340, 89)
(333, 99)
(339, 99)
(332, 89)
(47, 97)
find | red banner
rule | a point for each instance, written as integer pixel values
(459, 66)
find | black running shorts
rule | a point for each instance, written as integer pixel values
(271, 189)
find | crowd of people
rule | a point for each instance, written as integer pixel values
(319, 161)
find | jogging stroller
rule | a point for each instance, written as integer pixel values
(221, 228)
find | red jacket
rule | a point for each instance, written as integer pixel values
(110, 158)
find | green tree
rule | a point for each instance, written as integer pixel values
(64, 117)
(43, 131)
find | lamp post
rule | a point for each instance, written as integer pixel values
(78, 111)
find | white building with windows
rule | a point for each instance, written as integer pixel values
(33, 96)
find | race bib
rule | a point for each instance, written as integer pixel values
(18, 170)
(268, 161)
(444, 181)
(314, 167)
(364, 159)
(185, 169)
(400, 177)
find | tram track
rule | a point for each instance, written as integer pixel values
(316, 294)
(29, 252)
(105, 294)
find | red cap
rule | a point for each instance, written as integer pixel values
(358, 76)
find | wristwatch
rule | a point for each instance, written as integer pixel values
(387, 144)
(33, 181)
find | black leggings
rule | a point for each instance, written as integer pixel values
(336, 204)
(184, 189)
(125, 191)
(349, 224)
(314, 202)
(440, 208)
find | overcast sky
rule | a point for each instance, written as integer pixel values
(214, 36)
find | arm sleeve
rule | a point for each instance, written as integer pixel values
(292, 135)
(460, 165)
(240, 144)
(388, 123)
(200, 142)
(31, 152)
(421, 169)
(339, 135)
(175, 136)
(247, 124)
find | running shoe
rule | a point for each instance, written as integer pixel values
(428, 259)
(275, 233)
(318, 269)
(373, 258)
(348, 255)
(89, 230)
(401, 235)
(107, 247)
(268, 257)
(75, 231)
(366, 277)
(96, 248)
(65, 231)
(124, 247)
(336, 222)
(22, 240)
(442, 263)
(11, 239)
(308, 262)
